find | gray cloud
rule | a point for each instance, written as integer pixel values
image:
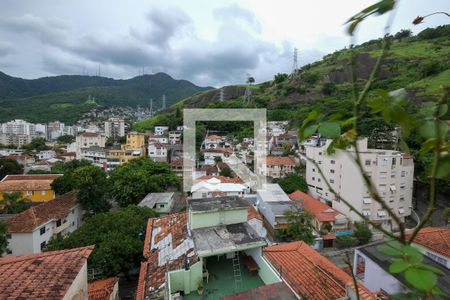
(6, 48)
(234, 13)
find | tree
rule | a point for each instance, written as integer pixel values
(217, 159)
(280, 77)
(346, 241)
(131, 181)
(65, 139)
(3, 238)
(404, 33)
(299, 225)
(64, 184)
(91, 187)
(226, 171)
(13, 203)
(118, 237)
(362, 233)
(292, 183)
(37, 144)
(9, 167)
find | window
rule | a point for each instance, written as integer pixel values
(383, 161)
(367, 200)
(366, 212)
(204, 195)
(383, 175)
(318, 179)
(331, 171)
(43, 244)
(367, 163)
(393, 174)
(392, 188)
(42, 230)
(401, 210)
(391, 199)
(320, 153)
(332, 162)
(382, 187)
(29, 193)
(43, 192)
(58, 223)
(314, 178)
(402, 198)
(313, 170)
(394, 161)
(436, 258)
(381, 213)
(331, 180)
(403, 174)
(402, 186)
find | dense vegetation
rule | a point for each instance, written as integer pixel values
(66, 98)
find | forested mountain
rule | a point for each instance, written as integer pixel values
(66, 97)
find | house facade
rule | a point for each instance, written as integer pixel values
(30, 230)
(36, 188)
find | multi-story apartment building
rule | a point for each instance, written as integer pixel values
(175, 137)
(277, 166)
(160, 130)
(18, 127)
(89, 139)
(390, 171)
(115, 127)
(15, 139)
(157, 151)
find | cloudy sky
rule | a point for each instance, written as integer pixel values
(209, 42)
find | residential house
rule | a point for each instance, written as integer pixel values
(278, 166)
(36, 188)
(98, 156)
(161, 203)
(327, 221)
(391, 172)
(178, 168)
(49, 275)
(277, 128)
(104, 289)
(312, 276)
(133, 148)
(15, 139)
(213, 141)
(43, 165)
(434, 242)
(161, 130)
(46, 154)
(273, 203)
(217, 186)
(211, 245)
(371, 267)
(30, 230)
(88, 139)
(210, 155)
(157, 151)
(175, 137)
(23, 159)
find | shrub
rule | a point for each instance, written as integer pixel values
(310, 77)
(429, 68)
(362, 233)
(328, 88)
(280, 77)
(346, 241)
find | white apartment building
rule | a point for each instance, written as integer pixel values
(115, 127)
(390, 171)
(160, 130)
(18, 127)
(157, 151)
(175, 137)
(30, 230)
(15, 139)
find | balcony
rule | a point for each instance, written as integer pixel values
(63, 226)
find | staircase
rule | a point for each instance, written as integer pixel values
(237, 271)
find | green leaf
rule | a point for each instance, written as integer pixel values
(443, 170)
(398, 266)
(391, 249)
(427, 130)
(330, 129)
(421, 279)
(413, 255)
(427, 146)
(310, 130)
(432, 269)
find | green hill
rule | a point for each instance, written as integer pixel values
(420, 64)
(66, 98)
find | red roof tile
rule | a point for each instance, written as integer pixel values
(152, 272)
(28, 182)
(46, 275)
(35, 216)
(311, 275)
(436, 239)
(102, 289)
(321, 211)
(222, 179)
(280, 160)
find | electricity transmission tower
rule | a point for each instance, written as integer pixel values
(163, 102)
(294, 71)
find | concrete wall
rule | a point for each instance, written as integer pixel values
(186, 281)
(79, 288)
(376, 278)
(208, 219)
(266, 272)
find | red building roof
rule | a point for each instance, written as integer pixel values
(436, 239)
(311, 275)
(280, 160)
(46, 275)
(321, 211)
(35, 216)
(102, 289)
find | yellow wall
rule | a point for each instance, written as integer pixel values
(36, 196)
(135, 141)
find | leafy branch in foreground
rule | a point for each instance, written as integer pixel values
(392, 109)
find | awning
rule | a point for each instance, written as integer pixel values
(393, 188)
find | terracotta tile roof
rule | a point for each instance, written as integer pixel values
(275, 291)
(321, 211)
(90, 134)
(45, 275)
(35, 216)
(252, 212)
(311, 275)
(215, 137)
(436, 239)
(166, 243)
(280, 160)
(28, 182)
(102, 289)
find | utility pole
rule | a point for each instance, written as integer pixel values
(294, 71)
(248, 89)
